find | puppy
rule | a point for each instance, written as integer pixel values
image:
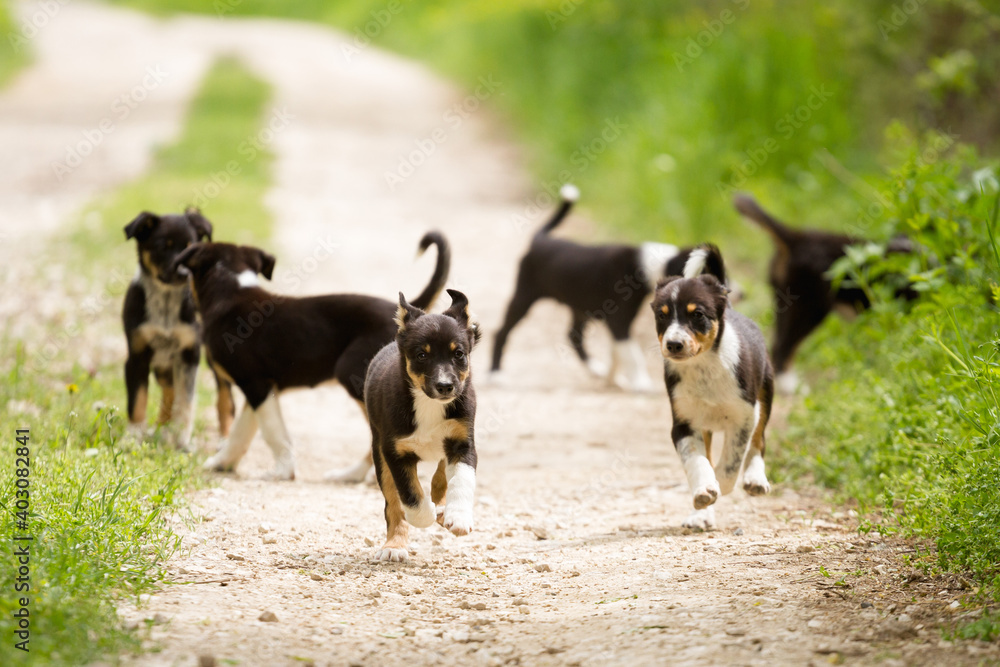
(803, 294)
(266, 343)
(422, 407)
(607, 283)
(161, 325)
(718, 378)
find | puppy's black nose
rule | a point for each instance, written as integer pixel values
(673, 347)
(444, 387)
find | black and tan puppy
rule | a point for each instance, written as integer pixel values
(803, 292)
(422, 407)
(606, 283)
(267, 343)
(162, 326)
(719, 379)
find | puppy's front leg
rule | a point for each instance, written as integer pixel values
(396, 528)
(236, 444)
(137, 386)
(185, 379)
(701, 476)
(417, 507)
(733, 451)
(272, 426)
(461, 474)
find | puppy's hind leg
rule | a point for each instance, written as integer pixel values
(185, 396)
(754, 477)
(235, 446)
(734, 449)
(439, 490)
(596, 367)
(272, 426)
(397, 530)
(417, 507)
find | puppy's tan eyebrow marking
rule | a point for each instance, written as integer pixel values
(453, 346)
(691, 307)
(665, 309)
(427, 348)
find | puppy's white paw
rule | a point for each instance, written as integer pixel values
(700, 519)
(458, 520)
(787, 383)
(218, 463)
(497, 379)
(390, 555)
(706, 495)
(754, 479)
(280, 473)
(598, 369)
(421, 516)
(355, 474)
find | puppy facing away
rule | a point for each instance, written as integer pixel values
(266, 343)
(422, 407)
(718, 378)
(607, 283)
(162, 327)
(803, 294)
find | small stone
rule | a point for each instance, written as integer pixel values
(479, 606)
(735, 632)
(269, 539)
(540, 532)
(866, 605)
(235, 557)
(337, 631)
(159, 619)
(265, 527)
(206, 661)
(954, 605)
(737, 532)
(805, 549)
(268, 617)
(460, 636)
(815, 624)
(519, 601)
(491, 547)
(524, 609)
(905, 618)
(369, 542)
(315, 576)
(464, 604)
(542, 567)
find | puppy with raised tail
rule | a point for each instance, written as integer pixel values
(719, 379)
(422, 407)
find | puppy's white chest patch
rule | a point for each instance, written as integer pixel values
(427, 441)
(708, 394)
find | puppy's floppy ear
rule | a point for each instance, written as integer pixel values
(459, 310)
(259, 261)
(190, 258)
(200, 223)
(143, 225)
(719, 291)
(406, 313)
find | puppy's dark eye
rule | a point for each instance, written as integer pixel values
(459, 355)
(698, 316)
(421, 356)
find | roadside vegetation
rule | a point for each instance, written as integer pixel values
(13, 50)
(99, 498)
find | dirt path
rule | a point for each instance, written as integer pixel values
(578, 557)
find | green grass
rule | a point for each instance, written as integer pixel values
(98, 499)
(904, 416)
(14, 49)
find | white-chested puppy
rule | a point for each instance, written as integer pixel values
(719, 378)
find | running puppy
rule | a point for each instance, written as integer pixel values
(719, 379)
(162, 327)
(607, 283)
(266, 343)
(422, 407)
(803, 294)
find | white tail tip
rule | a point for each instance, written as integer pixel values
(695, 263)
(569, 192)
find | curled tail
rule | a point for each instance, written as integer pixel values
(569, 194)
(426, 298)
(705, 258)
(750, 209)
